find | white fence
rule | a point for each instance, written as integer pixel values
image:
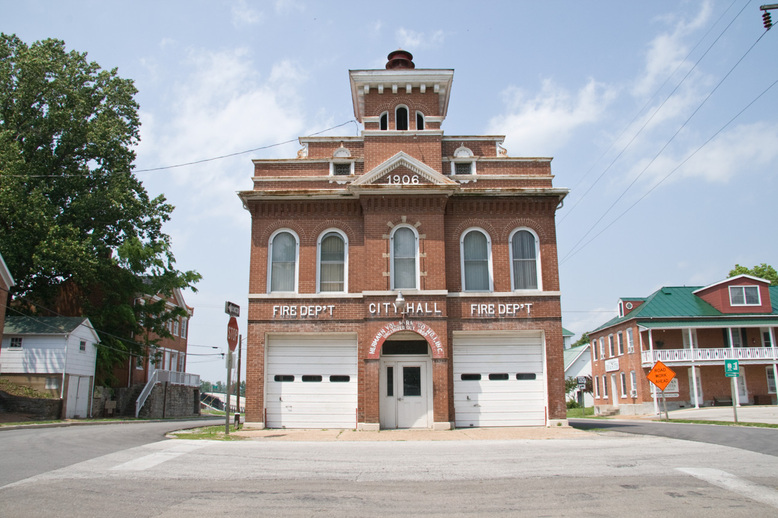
(712, 355)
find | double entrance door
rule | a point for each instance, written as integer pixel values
(406, 391)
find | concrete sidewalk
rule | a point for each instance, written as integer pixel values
(745, 414)
(460, 434)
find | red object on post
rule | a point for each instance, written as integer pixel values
(232, 333)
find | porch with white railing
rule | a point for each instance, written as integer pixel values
(701, 356)
(162, 376)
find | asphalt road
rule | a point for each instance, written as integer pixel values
(126, 470)
(760, 440)
(61, 446)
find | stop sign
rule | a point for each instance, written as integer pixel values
(232, 333)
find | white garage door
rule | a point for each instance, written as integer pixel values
(311, 381)
(499, 380)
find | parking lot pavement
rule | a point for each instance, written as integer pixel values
(745, 414)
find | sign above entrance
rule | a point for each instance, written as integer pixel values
(426, 332)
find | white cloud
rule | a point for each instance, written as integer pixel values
(243, 14)
(289, 6)
(545, 122)
(222, 106)
(667, 51)
(413, 41)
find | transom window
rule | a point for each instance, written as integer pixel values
(405, 247)
(744, 296)
(332, 262)
(476, 255)
(283, 261)
(525, 266)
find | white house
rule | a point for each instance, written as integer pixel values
(52, 354)
(578, 362)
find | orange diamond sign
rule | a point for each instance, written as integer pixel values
(661, 375)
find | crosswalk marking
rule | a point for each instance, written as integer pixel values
(763, 494)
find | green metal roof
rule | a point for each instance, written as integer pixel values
(573, 353)
(680, 307)
(41, 325)
(565, 332)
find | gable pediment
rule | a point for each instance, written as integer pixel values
(402, 170)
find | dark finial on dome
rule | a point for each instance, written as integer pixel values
(400, 59)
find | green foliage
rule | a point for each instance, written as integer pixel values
(582, 341)
(78, 230)
(763, 271)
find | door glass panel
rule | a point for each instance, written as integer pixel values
(390, 381)
(411, 381)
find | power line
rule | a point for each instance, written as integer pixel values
(574, 249)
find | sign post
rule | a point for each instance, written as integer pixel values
(732, 371)
(661, 375)
(232, 341)
(581, 396)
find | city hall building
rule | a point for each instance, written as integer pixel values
(403, 278)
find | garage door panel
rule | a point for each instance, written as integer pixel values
(499, 402)
(311, 404)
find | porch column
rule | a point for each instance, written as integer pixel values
(694, 371)
(775, 358)
(736, 402)
(653, 387)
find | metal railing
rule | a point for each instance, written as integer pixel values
(162, 376)
(703, 355)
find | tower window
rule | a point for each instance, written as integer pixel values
(401, 118)
(384, 121)
(419, 121)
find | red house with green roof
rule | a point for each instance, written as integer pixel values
(692, 330)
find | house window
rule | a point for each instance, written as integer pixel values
(597, 387)
(630, 341)
(766, 338)
(401, 118)
(82, 346)
(463, 167)
(735, 337)
(525, 270)
(594, 348)
(633, 383)
(384, 124)
(175, 327)
(52, 383)
(332, 262)
(183, 327)
(623, 377)
(419, 121)
(604, 387)
(620, 339)
(611, 353)
(744, 296)
(405, 247)
(770, 379)
(139, 363)
(283, 261)
(16, 342)
(463, 161)
(475, 248)
(602, 347)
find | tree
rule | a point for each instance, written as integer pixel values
(582, 341)
(763, 271)
(77, 228)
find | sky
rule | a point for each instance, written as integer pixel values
(661, 118)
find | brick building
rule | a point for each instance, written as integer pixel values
(692, 330)
(403, 278)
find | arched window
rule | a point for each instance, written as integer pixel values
(475, 249)
(419, 121)
(283, 261)
(525, 260)
(405, 258)
(401, 118)
(333, 252)
(385, 121)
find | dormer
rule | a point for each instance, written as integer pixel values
(627, 306)
(401, 97)
(737, 295)
(341, 164)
